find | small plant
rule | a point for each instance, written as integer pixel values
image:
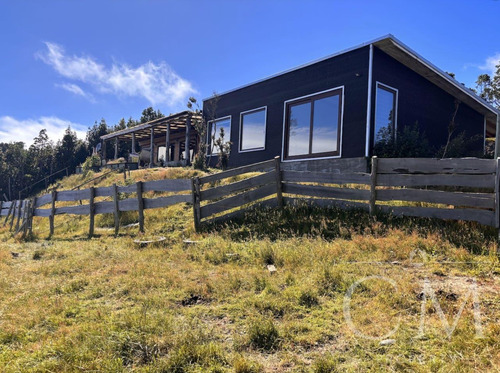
(325, 364)
(308, 298)
(242, 365)
(223, 148)
(263, 334)
(331, 282)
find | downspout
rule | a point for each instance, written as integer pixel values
(369, 103)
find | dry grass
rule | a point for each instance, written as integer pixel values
(102, 304)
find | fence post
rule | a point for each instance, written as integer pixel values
(20, 211)
(52, 212)
(91, 210)
(373, 185)
(140, 209)
(497, 200)
(32, 213)
(9, 212)
(16, 205)
(195, 190)
(279, 186)
(116, 210)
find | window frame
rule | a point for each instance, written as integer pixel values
(311, 98)
(387, 88)
(209, 132)
(240, 137)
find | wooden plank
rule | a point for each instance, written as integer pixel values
(224, 190)
(436, 166)
(373, 185)
(52, 212)
(153, 203)
(237, 213)
(140, 205)
(129, 204)
(16, 206)
(265, 166)
(104, 192)
(477, 181)
(22, 205)
(73, 210)
(72, 195)
(485, 217)
(237, 200)
(326, 203)
(43, 200)
(326, 178)
(332, 165)
(11, 207)
(91, 211)
(479, 200)
(279, 186)
(167, 185)
(116, 209)
(195, 184)
(105, 207)
(326, 192)
(45, 213)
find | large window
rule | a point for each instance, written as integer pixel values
(312, 125)
(218, 128)
(253, 130)
(386, 103)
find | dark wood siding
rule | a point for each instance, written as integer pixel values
(349, 70)
(422, 101)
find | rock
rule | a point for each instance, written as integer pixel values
(14, 255)
(387, 342)
(271, 268)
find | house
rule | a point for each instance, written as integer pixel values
(335, 107)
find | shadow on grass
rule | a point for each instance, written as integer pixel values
(332, 223)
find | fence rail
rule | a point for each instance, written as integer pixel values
(457, 189)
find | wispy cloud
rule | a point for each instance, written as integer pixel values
(157, 83)
(75, 89)
(491, 63)
(25, 130)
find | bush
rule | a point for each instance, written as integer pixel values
(409, 142)
(92, 161)
(463, 146)
(263, 334)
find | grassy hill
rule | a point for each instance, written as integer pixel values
(72, 304)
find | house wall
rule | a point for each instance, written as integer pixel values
(422, 101)
(337, 71)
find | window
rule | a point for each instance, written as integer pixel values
(386, 103)
(217, 128)
(312, 125)
(253, 130)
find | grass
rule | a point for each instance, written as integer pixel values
(102, 304)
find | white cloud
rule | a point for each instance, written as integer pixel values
(75, 89)
(490, 65)
(12, 129)
(157, 83)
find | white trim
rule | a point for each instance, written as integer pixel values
(240, 134)
(484, 136)
(339, 145)
(377, 83)
(369, 102)
(209, 131)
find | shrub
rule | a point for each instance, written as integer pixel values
(263, 334)
(325, 364)
(463, 146)
(308, 298)
(91, 161)
(409, 142)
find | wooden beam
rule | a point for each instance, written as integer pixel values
(167, 143)
(186, 143)
(140, 201)
(116, 149)
(52, 212)
(116, 209)
(497, 138)
(91, 210)
(133, 142)
(152, 147)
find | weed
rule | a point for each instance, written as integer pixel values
(263, 334)
(308, 298)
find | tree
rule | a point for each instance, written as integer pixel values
(489, 87)
(150, 114)
(94, 134)
(70, 151)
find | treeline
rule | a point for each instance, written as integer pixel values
(21, 167)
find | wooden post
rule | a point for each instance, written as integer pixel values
(104, 150)
(497, 138)
(133, 142)
(13, 215)
(152, 141)
(195, 190)
(373, 185)
(497, 200)
(32, 214)
(167, 143)
(20, 210)
(140, 209)
(91, 210)
(186, 145)
(52, 212)
(116, 209)
(279, 186)
(67, 172)
(116, 148)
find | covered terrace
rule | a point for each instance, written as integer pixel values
(172, 132)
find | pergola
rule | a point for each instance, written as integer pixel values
(175, 132)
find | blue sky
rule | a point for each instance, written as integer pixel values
(74, 62)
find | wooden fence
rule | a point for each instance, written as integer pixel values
(19, 214)
(457, 189)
